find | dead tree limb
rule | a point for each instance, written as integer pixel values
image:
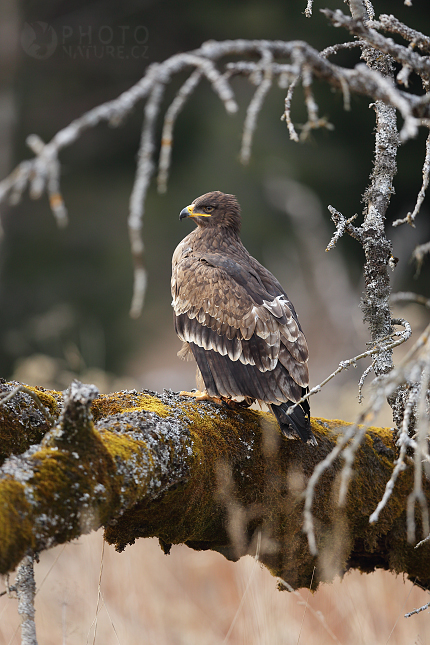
(144, 465)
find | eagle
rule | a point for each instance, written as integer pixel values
(236, 320)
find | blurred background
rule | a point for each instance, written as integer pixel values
(65, 294)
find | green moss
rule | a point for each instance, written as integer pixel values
(22, 424)
(108, 404)
(49, 398)
(16, 524)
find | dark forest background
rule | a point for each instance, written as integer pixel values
(65, 294)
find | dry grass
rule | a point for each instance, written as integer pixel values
(192, 598)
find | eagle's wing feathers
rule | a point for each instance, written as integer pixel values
(241, 327)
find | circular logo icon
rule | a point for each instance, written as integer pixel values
(39, 40)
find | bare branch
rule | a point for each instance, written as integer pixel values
(419, 254)
(255, 105)
(400, 53)
(391, 24)
(313, 121)
(342, 225)
(319, 470)
(403, 76)
(350, 451)
(169, 122)
(369, 9)
(316, 614)
(403, 443)
(287, 111)
(377, 248)
(308, 10)
(362, 379)
(254, 70)
(334, 49)
(410, 217)
(43, 171)
(427, 605)
(26, 590)
(34, 396)
(408, 296)
(384, 345)
(137, 200)
(417, 495)
(383, 387)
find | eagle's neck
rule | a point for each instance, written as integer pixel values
(216, 238)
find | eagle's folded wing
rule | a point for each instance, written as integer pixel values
(241, 328)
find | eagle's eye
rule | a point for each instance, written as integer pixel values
(208, 209)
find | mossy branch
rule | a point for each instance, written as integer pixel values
(144, 465)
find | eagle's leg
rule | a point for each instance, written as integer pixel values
(202, 396)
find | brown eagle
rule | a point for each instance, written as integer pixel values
(235, 318)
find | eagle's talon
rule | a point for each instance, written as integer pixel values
(201, 396)
(231, 403)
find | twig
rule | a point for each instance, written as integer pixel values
(242, 600)
(253, 70)
(392, 24)
(417, 611)
(110, 618)
(334, 49)
(350, 451)
(141, 184)
(255, 105)
(400, 462)
(426, 539)
(313, 121)
(316, 614)
(362, 379)
(99, 594)
(287, 110)
(395, 99)
(342, 225)
(99, 590)
(400, 53)
(419, 253)
(36, 399)
(410, 217)
(308, 10)
(26, 590)
(417, 494)
(308, 521)
(402, 77)
(344, 365)
(306, 607)
(370, 10)
(169, 122)
(384, 387)
(408, 296)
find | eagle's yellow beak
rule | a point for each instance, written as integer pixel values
(188, 211)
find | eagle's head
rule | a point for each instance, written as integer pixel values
(214, 209)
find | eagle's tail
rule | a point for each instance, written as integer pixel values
(297, 423)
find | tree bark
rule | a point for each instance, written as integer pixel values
(142, 464)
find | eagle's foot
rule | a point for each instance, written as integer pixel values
(202, 396)
(231, 403)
